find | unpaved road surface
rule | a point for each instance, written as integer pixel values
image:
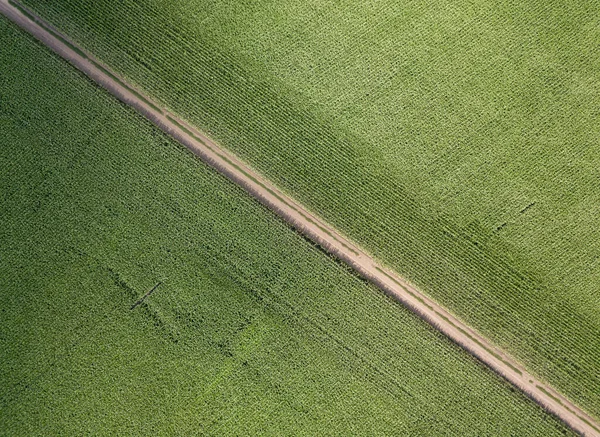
(306, 222)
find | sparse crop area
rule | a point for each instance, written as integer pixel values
(458, 142)
(142, 293)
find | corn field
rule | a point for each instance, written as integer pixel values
(142, 293)
(457, 142)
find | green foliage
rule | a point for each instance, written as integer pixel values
(251, 330)
(456, 141)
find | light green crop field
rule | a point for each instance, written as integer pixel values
(252, 330)
(457, 141)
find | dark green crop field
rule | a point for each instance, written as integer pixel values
(457, 141)
(251, 330)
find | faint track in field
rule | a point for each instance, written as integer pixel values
(305, 222)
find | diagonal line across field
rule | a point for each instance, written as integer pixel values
(306, 222)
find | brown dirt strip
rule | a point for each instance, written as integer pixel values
(307, 223)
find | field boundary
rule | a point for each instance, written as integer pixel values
(305, 222)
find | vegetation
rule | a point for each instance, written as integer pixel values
(143, 293)
(456, 141)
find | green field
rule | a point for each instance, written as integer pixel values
(252, 330)
(457, 141)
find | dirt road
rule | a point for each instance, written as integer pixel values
(305, 222)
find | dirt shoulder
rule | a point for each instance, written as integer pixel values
(307, 223)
